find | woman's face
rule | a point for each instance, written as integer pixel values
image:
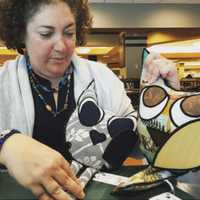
(50, 40)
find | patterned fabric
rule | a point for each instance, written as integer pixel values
(168, 128)
(92, 132)
(144, 180)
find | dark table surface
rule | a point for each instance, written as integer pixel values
(10, 189)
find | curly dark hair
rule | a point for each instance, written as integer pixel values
(15, 15)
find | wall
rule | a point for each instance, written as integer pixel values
(145, 16)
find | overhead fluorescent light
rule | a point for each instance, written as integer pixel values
(93, 50)
(189, 46)
(82, 50)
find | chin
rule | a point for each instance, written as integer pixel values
(59, 70)
(57, 74)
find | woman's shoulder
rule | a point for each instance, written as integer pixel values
(13, 62)
(94, 67)
(11, 66)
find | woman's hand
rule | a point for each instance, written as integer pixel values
(156, 65)
(41, 169)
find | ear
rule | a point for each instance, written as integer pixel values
(88, 92)
(119, 148)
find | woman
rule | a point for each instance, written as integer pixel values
(40, 89)
(47, 44)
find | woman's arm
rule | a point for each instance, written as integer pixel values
(39, 168)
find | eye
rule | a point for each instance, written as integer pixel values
(69, 34)
(153, 101)
(185, 109)
(46, 34)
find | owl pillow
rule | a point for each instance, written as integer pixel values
(169, 133)
(98, 137)
(168, 126)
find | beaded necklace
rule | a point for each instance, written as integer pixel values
(67, 78)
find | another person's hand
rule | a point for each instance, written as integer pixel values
(39, 168)
(156, 65)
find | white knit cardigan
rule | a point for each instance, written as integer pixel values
(16, 101)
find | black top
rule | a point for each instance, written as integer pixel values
(50, 129)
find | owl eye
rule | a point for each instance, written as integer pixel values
(185, 109)
(153, 101)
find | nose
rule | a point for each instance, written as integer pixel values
(60, 44)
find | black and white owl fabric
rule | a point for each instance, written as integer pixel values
(98, 137)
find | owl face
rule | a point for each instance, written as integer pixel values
(98, 137)
(168, 126)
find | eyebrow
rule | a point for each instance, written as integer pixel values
(51, 27)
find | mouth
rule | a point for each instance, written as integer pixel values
(58, 59)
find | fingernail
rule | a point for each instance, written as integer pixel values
(82, 195)
(79, 182)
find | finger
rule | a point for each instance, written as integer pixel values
(170, 74)
(38, 190)
(165, 65)
(54, 190)
(66, 167)
(45, 197)
(68, 183)
(151, 57)
(161, 67)
(40, 193)
(151, 74)
(151, 71)
(174, 82)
